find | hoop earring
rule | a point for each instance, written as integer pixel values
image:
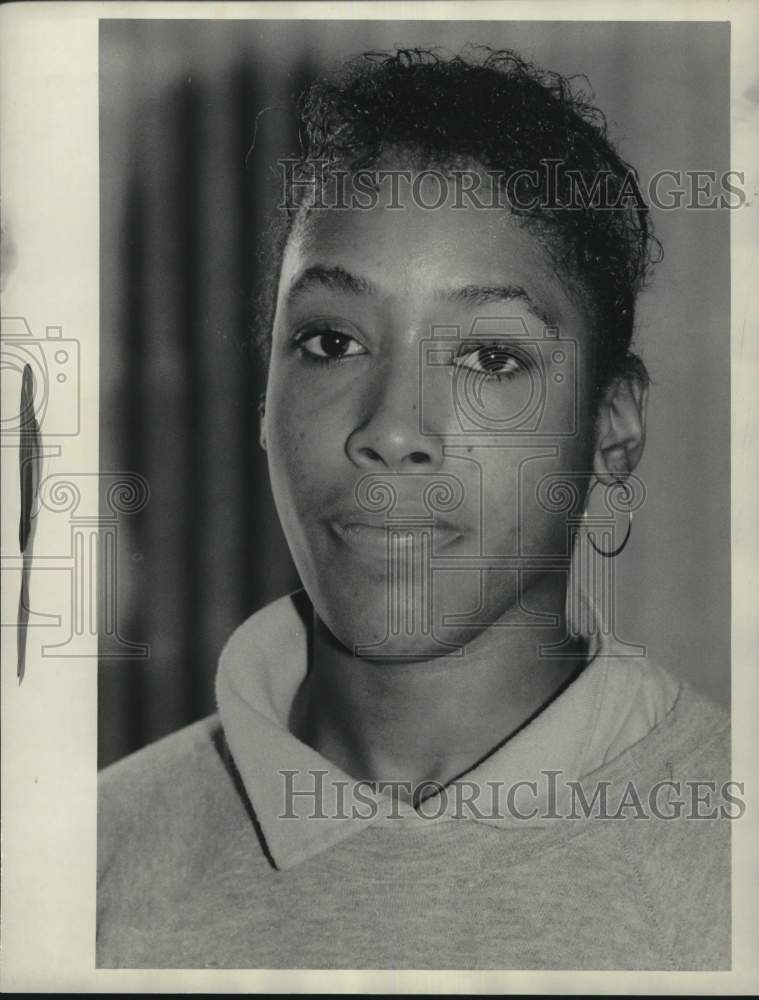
(603, 552)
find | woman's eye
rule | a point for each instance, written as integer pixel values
(329, 345)
(490, 359)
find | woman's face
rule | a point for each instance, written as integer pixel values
(410, 347)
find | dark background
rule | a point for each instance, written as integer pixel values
(183, 199)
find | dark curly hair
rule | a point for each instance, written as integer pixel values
(498, 111)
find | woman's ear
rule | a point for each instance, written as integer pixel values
(620, 428)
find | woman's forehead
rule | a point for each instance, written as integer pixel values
(412, 252)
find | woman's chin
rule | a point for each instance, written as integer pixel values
(384, 630)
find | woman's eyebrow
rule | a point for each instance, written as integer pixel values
(483, 295)
(333, 277)
(336, 278)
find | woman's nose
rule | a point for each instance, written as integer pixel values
(390, 434)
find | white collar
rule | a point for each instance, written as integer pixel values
(614, 702)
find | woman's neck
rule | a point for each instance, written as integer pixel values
(430, 721)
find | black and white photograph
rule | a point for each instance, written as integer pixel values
(404, 580)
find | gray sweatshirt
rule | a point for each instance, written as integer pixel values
(597, 838)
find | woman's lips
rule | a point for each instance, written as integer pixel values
(393, 538)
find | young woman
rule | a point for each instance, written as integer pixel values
(437, 756)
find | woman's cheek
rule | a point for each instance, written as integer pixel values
(289, 456)
(298, 452)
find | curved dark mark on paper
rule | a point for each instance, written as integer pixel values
(29, 477)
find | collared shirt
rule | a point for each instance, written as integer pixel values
(615, 701)
(202, 864)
